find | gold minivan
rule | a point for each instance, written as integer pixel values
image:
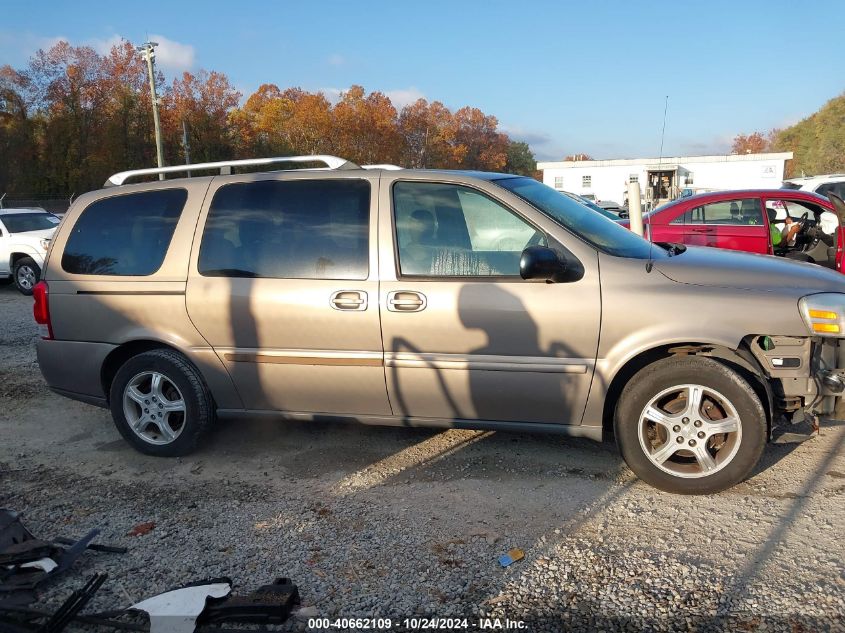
(427, 298)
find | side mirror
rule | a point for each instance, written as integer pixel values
(542, 263)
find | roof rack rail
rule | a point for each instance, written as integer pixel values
(387, 166)
(225, 166)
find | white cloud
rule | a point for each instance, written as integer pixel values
(336, 60)
(332, 94)
(17, 47)
(404, 96)
(104, 46)
(173, 56)
(519, 133)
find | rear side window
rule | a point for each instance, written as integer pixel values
(124, 235)
(294, 229)
(746, 212)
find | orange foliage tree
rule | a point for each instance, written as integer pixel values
(73, 116)
(754, 143)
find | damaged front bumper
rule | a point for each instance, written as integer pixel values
(805, 373)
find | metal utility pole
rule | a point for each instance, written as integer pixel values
(147, 51)
(185, 145)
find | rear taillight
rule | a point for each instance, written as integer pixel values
(41, 309)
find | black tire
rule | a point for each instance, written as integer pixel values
(20, 267)
(709, 373)
(199, 405)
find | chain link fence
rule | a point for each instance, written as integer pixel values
(54, 203)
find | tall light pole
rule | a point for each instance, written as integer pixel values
(147, 51)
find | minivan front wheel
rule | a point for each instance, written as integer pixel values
(160, 403)
(690, 425)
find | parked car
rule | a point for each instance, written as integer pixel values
(361, 294)
(591, 205)
(614, 207)
(822, 185)
(24, 238)
(743, 221)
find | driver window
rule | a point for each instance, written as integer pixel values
(445, 230)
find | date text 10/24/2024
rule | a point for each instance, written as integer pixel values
(416, 624)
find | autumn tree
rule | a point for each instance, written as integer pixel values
(754, 143)
(19, 167)
(365, 128)
(428, 131)
(72, 116)
(203, 101)
(478, 144)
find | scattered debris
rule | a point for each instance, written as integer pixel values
(177, 611)
(55, 622)
(142, 528)
(27, 561)
(511, 557)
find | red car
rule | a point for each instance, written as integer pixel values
(744, 221)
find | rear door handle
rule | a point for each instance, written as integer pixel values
(405, 301)
(700, 229)
(349, 300)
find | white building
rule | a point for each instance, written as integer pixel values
(666, 178)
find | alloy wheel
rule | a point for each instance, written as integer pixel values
(690, 431)
(154, 408)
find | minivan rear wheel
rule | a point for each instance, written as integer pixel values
(160, 403)
(690, 425)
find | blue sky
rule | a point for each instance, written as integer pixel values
(567, 77)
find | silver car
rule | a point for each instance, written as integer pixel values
(428, 298)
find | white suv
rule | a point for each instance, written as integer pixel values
(822, 185)
(24, 237)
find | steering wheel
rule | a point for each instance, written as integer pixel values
(804, 223)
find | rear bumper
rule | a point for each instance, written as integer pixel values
(72, 368)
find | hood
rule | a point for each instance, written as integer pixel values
(33, 235)
(705, 266)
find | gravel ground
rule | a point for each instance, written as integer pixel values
(407, 522)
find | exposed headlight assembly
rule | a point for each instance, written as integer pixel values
(824, 314)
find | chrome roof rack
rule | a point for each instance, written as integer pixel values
(225, 166)
(381, 166)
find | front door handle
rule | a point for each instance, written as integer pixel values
(349, 300)
(405, 301)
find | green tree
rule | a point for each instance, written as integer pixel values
(520, 159)
(818, 141)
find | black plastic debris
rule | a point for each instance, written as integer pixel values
(269, 604)
(27, 561)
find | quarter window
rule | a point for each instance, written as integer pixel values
(294, 229)
(124, 235)
(447, 230)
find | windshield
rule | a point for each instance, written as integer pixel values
(598, 230)
(25, 222)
